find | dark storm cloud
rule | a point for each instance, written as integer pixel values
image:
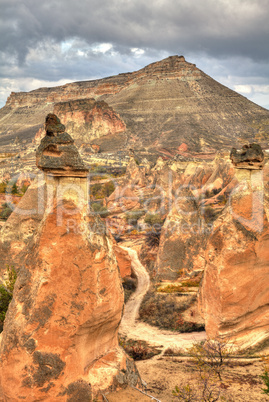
(61, 39)
(216, 27)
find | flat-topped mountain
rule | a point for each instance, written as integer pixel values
(167, 108)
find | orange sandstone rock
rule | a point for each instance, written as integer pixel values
(235, 294)
(124, 261)
(60, 337)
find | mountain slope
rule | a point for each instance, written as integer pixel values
(163, 105)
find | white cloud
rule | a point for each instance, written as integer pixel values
(137, 52)
(243, 89)
(102, 47)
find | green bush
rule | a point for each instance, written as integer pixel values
(6, 292)
(265, 378)
(132, 216)
(153, 219)
(100, 209)
(24, 188)
(100, 169)
(6, 211)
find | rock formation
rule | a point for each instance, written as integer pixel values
(196, 196)
(183, 238)
(235, 294)
(249, 157)
(60, 334)
(22, 223)
(167, 108)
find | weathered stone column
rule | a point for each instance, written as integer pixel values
(235, 291)
(60, 334)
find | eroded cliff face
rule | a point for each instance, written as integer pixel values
(86, 120)
(235, 294)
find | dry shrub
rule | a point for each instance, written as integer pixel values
(165, 311)
(138, 350)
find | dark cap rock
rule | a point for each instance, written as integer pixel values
(250, 156)
(53, 126)
(57, 153)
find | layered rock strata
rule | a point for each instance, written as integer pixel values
(60, 334)
(154, 111)
(235, 294)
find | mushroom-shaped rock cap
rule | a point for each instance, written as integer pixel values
(57, 154)
(53, 126)
(250, 156)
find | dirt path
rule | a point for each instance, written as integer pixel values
(134, 329)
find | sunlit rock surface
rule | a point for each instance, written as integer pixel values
(60, 337)
(235, 292)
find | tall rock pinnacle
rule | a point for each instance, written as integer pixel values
(60, 334)
(235, 285)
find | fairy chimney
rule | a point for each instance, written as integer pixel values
(60, 337)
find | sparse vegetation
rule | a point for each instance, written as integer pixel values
(102, 190)
(265, 377)
(132, 217)
(138, 350)
(153, 239)
(6, 211)
(210, 359)
(13, 188)
(3, 187)
(153, 219)
(100, 209)
(165, 311)
(6, 292)
(179, 287)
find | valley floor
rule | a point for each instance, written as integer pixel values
(241, 383)
(241, 380)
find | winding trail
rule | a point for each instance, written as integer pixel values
(134, 329)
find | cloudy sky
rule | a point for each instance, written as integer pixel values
(52, 42)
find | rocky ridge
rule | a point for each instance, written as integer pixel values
(168, 108)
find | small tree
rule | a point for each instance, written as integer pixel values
(211, 355)
(210, 358)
